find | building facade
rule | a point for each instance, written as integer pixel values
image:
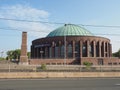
(71, 44)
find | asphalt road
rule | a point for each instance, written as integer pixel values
(61, 84)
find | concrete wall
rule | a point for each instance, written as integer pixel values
(58, 74)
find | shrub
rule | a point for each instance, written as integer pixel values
(87, 64)
(2, 58)
(43, 66)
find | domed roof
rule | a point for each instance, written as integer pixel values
(70, 30)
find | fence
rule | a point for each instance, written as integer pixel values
(58, 68)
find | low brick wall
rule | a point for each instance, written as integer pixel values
(58, 74)
(51, 61)
(93, 60)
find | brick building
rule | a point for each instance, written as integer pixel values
(72, 44)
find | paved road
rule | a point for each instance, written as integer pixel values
(61, 84)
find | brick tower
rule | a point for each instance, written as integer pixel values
(24, 57)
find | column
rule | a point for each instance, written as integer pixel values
(88, 52)
(99, 48)
(94, 48)
(73, 48)
(80, 48)
(107, 49)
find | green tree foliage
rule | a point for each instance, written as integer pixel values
(15, 54)
(28, 54)
(116, 54)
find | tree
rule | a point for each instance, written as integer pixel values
(9, 55)
(28, 54)
(15, 54)
(116, 54)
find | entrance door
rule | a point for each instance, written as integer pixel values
(100, 62)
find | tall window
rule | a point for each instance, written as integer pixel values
(77, 50)
(35, 52)
(91, 49)
(97, 49)
(62, 51)
(50, 52)
(102, 49)
(56, 52)
(70, 51)
(106, 49)
(84, 50)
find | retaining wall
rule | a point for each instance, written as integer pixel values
(58, 74)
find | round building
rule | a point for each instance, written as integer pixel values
(71, 44)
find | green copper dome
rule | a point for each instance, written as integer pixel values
(70, 30)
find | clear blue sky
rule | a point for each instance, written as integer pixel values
(93, 12)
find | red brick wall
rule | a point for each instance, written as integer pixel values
(51, 61)
(106, 61)
(94, 61)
